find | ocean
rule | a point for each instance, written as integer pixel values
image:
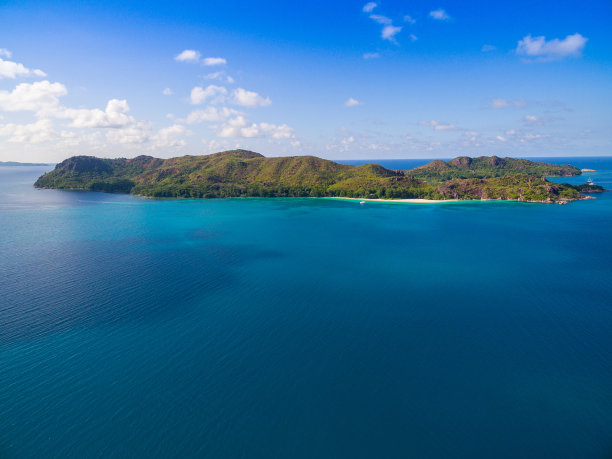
(307, 328)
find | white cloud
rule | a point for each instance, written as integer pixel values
(249, 98)
(221, 76)
(371, 55)
(439, 15)
(5, 52)
(188, 55)
(542, 50)
(389, 32)
(136, 133)
(352, 103)
(38, 96)
(503, 103)
(167, 92)
(167, 137)
(277, 132)
(37, 132)
(216, 94)
(114, 116)
(215, 145)
(413, 37)
(210, 61)
(10, 69)
(210, 114)
(535, 119)
(528, 137)
(69, 138)
(409, 19)
(486, 48)
(367, 8)
(501, 139)
(380, 19)
(438, 126)
(239, 127)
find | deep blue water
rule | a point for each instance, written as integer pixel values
(303, 327)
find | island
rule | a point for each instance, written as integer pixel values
(15, 163)
(242, 173)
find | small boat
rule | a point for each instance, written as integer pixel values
(590, 182)
(362, 202)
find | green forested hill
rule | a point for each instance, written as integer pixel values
(464, 167)
(239, 173)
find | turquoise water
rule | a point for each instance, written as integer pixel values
(303, 327)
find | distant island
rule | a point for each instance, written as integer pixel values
(15, 163)
(242, 173)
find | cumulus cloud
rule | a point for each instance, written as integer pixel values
(212, 93)
(191, 55)
(221, 76)
(210, 114)
(371, 55)
(210, 61)
(38, 96)
(369, 7)
(352, 103)
(135, 133)
(438, 126)
(246, 98)
(114, 116)
(10, 69)
(501, 139)
(167, 137)
(167, 92)
(140, 133)
(439, 15)
(538, 49)
(389, 32)
(503, 103)
(277, 132)
(37, 132)
(239, 127)
(188, 55)
(409, 19)
(5, 52)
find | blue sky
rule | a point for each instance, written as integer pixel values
(340, 80)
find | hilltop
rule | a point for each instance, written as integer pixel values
(241, 173)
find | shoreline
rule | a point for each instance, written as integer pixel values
(412, 201)
(340, 198)
(443, 201)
